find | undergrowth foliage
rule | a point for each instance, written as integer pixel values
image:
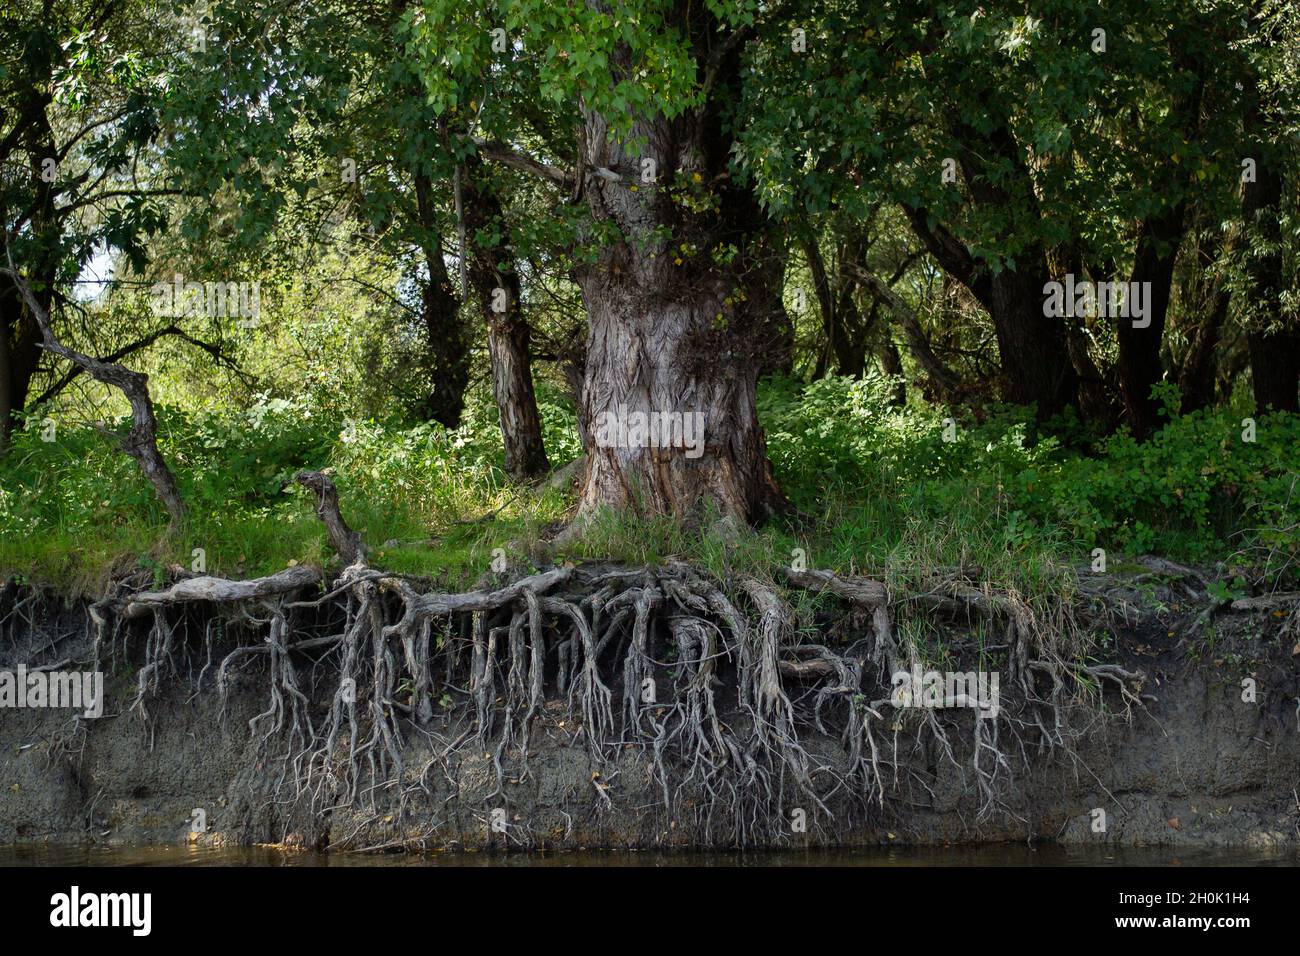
(884, 485)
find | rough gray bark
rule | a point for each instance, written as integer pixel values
(221, 590)
(512, 387)
(670, 328)
(647, 355)
(345, 542)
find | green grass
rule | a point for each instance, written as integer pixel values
(879, 491)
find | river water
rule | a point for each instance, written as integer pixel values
(989, 855)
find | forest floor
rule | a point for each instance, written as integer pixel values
(878, 491)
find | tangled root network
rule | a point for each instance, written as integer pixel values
(736, 706)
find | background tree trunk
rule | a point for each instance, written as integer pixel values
(508, 335)
(1032, 348)
(775, 324)
(891, 362)
(1274, 347)
(1140, 367)
(446, 344)
(841, 322)
(7, 421)
(512, 387)
(20, 355)
(1196, 375)
(942, 383)
(1035, 356)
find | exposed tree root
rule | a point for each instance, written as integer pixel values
(716, 694)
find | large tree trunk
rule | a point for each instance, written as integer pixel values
(1275, 369)
(672, 330)
(493, 269)
(32, 128)
(1140, 367)
(653, 348)
(22, 348)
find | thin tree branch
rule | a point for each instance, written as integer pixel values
(945, 380)
(141, 343)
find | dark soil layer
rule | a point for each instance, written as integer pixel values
(1196, 766)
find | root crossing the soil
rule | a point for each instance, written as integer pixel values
(742, 712)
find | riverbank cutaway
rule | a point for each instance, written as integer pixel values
(605, 706)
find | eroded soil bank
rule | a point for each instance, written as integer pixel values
(1194, 765)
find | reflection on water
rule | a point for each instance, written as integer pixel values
(993, 855)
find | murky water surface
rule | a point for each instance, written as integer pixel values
(997, 855)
